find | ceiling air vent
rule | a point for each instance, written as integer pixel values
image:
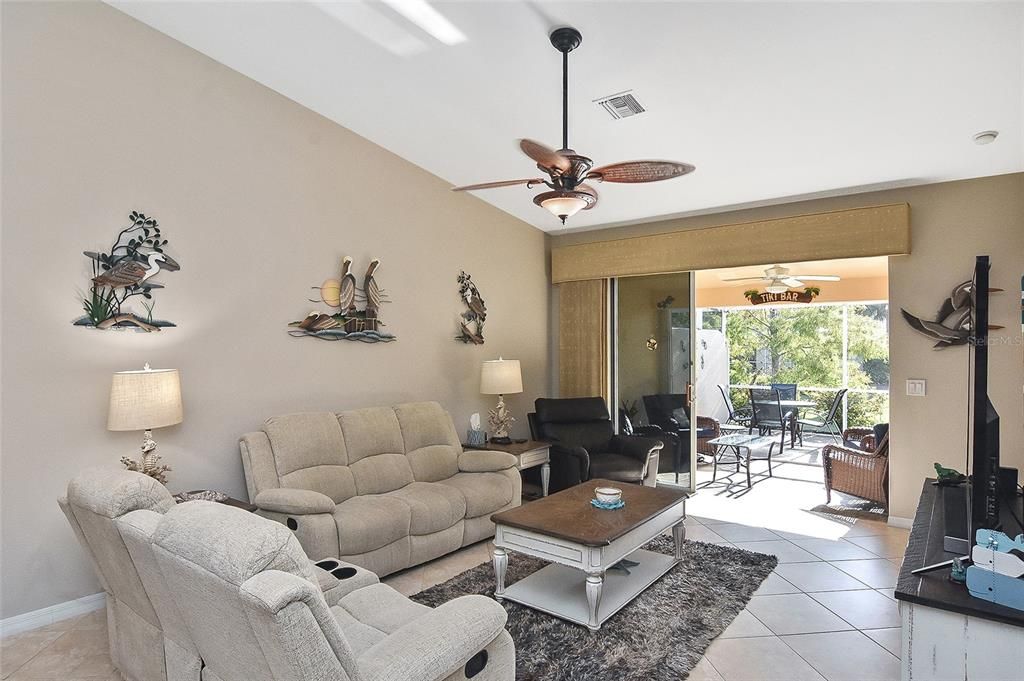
(621, 105)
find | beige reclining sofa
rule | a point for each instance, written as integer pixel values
(384, 488)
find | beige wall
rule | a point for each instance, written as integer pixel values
(950, 224)
(260, 198)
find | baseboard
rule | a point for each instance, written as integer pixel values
(905, 523)
(54, 613)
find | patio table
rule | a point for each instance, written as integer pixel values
(736, 444)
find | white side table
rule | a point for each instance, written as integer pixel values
(529, 454)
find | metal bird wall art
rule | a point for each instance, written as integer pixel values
(126, 271)
(954, 322)
(471, 322)
(348, 322)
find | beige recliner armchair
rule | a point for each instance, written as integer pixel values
(114, 514)
(249, 596)
(95, 499)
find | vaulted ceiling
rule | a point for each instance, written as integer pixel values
(771, 101)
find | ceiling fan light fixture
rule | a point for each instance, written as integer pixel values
(563, 203)
(776, 288)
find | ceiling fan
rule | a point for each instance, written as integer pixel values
(568, 171)
(778, 280)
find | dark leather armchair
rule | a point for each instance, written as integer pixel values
(670, 413)
(584, 445)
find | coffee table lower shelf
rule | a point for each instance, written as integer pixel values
(561, 591)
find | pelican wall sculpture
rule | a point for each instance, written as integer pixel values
(124, 272)
(348, 322)
(471, 322)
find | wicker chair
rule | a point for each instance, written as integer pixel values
(708, 429)
(861, 472)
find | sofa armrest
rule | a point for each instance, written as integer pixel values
(482, 461)
(573, 464)
(338, 579)
(435, 644)
(636, 446)
(294, 501)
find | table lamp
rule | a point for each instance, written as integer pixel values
(500, 377)
(144, 400)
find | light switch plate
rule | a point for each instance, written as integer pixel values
(917, 387)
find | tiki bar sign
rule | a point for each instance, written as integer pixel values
(757, 298)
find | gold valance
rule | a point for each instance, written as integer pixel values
(852, 233)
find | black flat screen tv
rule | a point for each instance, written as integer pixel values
(984, 419)
(977, 506)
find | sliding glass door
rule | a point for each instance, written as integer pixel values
(653, 367)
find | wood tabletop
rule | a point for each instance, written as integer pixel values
(925, 547)
(568, 514)
(515, 448)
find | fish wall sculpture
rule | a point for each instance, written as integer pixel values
(954, 322)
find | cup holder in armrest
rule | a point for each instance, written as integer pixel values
(327, 565)
(344, 572)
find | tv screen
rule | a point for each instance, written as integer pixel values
(984, 418)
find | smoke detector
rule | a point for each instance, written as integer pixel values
(986, 137)
(621, 105)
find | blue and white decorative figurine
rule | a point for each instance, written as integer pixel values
(997, 574)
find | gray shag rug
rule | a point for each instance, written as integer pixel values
(659, 636)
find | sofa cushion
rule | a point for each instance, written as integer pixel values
(434, 462)
(376, 450)
(361, 637)
(369, 522)
(484, 492)
(372, 431)
(431, 442)
(336, 482)
(381, 473)
(310, 453)
(434, 507)
(381, 607)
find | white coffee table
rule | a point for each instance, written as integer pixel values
(582, 543)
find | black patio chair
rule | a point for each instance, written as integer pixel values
(769, 415)
(830, 422)
(787, 391)
(738, 418)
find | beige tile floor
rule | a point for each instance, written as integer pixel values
(826, 612)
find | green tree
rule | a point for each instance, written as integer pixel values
(804, 345)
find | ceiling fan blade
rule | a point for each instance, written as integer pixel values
(818, 277)
(640, 171)
(748, 279)
(501, 183)
(545, 156)
(791, 282)
(587, 189)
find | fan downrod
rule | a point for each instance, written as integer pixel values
(566, 39)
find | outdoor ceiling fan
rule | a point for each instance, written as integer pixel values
(778, 280)
(568, 171)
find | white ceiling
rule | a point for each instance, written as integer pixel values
(768, 100)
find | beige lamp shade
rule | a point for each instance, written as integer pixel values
(501, 377)
(142, 400)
